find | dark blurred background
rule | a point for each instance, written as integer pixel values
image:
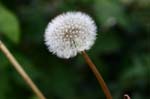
(121, 51)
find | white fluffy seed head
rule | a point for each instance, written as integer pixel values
(70, 33)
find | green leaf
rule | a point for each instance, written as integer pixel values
(9, 25)
(137, 74)
(110, 12)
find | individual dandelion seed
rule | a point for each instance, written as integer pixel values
(70, 33)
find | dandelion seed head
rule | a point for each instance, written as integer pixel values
(70, 33)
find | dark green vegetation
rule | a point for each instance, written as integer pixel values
(121, 51)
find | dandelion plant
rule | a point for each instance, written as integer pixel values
(71, 33)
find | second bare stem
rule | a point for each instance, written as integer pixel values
(21, 71)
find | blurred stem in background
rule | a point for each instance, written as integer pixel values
(21, 71)
(126, 96)
(98, 75)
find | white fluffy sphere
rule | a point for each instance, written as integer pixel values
(70, 33)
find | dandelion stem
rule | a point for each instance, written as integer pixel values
(21, 71)
(98, 75)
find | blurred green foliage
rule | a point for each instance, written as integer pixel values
(121, 51)
(9, 24)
